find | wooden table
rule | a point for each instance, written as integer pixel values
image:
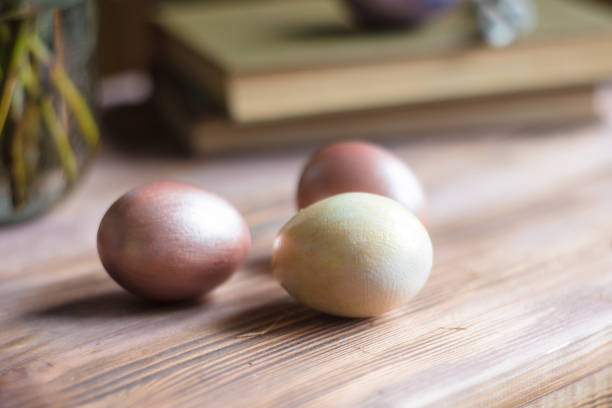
(518, 308)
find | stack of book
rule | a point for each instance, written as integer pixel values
(266, 73)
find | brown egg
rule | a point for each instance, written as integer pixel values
(360, 167)
(171, 241)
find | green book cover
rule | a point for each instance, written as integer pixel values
(242, 37)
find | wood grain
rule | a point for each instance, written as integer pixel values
(517, 312)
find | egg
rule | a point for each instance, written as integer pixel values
(353, 255)
(170, 241)
(360, 167)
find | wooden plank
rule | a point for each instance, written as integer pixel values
(518, 310)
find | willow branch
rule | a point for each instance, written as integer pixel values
(17, 168)
(60, 138)
(32, 131)
(39, 50)
(12, 74)
(69, 92)
(58, 47)
(77, 103)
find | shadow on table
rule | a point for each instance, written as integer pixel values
(259, 265)
(112, 305)
(286, 317)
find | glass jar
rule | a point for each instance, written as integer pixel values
(48, 127)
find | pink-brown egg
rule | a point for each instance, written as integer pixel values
(170, 241)
(360, 167)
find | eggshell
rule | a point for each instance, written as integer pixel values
(360, 167)
(171, 241)
(353, 255)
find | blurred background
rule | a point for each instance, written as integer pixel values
(226, 77)
(245, 75)
(209, 79)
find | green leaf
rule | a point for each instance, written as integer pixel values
(12, 73)
(60, 138)
(78, 105)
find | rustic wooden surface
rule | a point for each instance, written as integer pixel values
(518, 309)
